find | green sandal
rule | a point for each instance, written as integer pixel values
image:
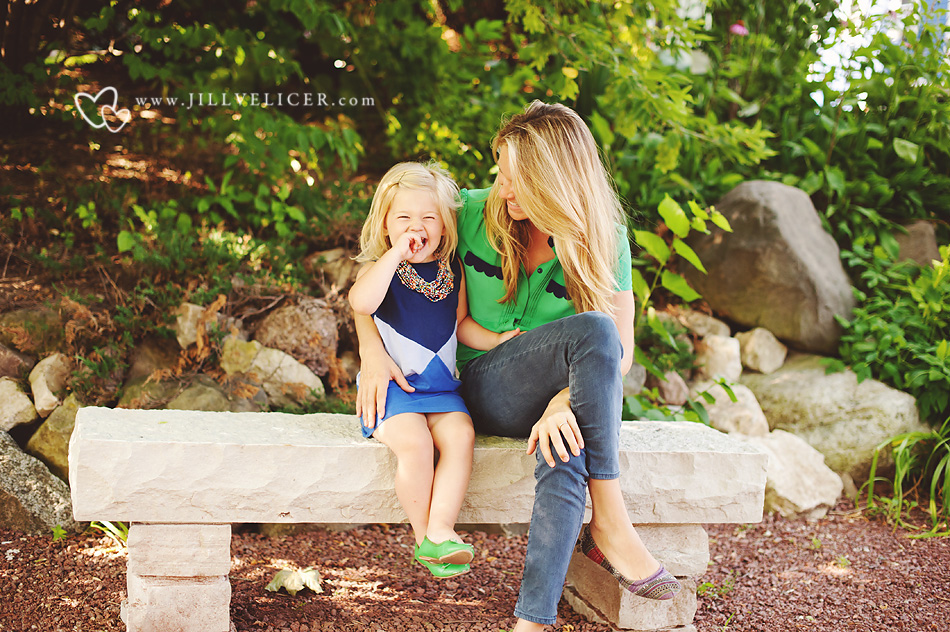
(448, 552)
(440, 570)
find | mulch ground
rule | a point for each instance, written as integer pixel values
(844, 572)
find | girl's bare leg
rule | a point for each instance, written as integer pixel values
(407, 435)
(454, 438)
(614, 534)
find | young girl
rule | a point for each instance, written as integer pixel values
(413, 287)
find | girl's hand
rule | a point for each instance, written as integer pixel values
(557, 425)
(375, 375)
(409, 243)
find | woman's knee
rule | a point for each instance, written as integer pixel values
(598, 331)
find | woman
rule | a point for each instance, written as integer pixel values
(545, 250)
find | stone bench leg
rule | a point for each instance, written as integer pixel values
(595, 594)
(178, 578)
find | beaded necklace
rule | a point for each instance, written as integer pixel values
(434, 291)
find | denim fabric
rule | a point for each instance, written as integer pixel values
(507, 390)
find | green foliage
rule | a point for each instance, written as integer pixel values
(663, 346)
(900, 331)
(869, 140)
(920, 459)
(620, 64)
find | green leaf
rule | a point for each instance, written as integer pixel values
(653, 244)
(641, 289)
(683, 250)
(674, 216)
(295, 581)
(906, 150)
(720, 220)
(678, 286)
(125, 241)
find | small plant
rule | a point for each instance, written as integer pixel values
(920, 459)
(59, 533)
(842, 561)
(118, 532)
(714, 591)
(815, 544)
(661, 252)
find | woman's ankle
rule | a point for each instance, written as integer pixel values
(524, 625)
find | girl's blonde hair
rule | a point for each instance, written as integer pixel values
(416, 177)
(564, 189)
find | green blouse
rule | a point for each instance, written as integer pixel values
(540, 298)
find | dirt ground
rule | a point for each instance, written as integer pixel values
(844, 572)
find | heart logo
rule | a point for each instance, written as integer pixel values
(122, 115)
(104, 108)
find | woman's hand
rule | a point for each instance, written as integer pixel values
(557, 425)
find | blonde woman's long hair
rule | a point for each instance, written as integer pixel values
(566, 192)
(417, 177)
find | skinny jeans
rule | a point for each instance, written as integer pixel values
(507, 391)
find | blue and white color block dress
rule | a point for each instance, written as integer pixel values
(419, 335)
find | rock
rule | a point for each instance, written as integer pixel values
(672, 390)
(50, 443)
(699, 323)
(32, 500)
(189, 316)
(13, 364)
(307, 331)
(139, 393)
(203, 394)
(798, 483)
(718, 357)
(761, 351)
(919, 243)
(634, 380)
(15, 405)
(186, 324)
(779, 269)
(48, 378)
(152, 355)
(842, 419)
(743, 416)
(286, 381)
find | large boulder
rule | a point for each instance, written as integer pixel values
(798, 483)
(841, 418)
(32, 500)
(16, 408)
(50, 443)
(307, 331)
(779, 269)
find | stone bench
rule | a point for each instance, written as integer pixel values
(181, 478)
